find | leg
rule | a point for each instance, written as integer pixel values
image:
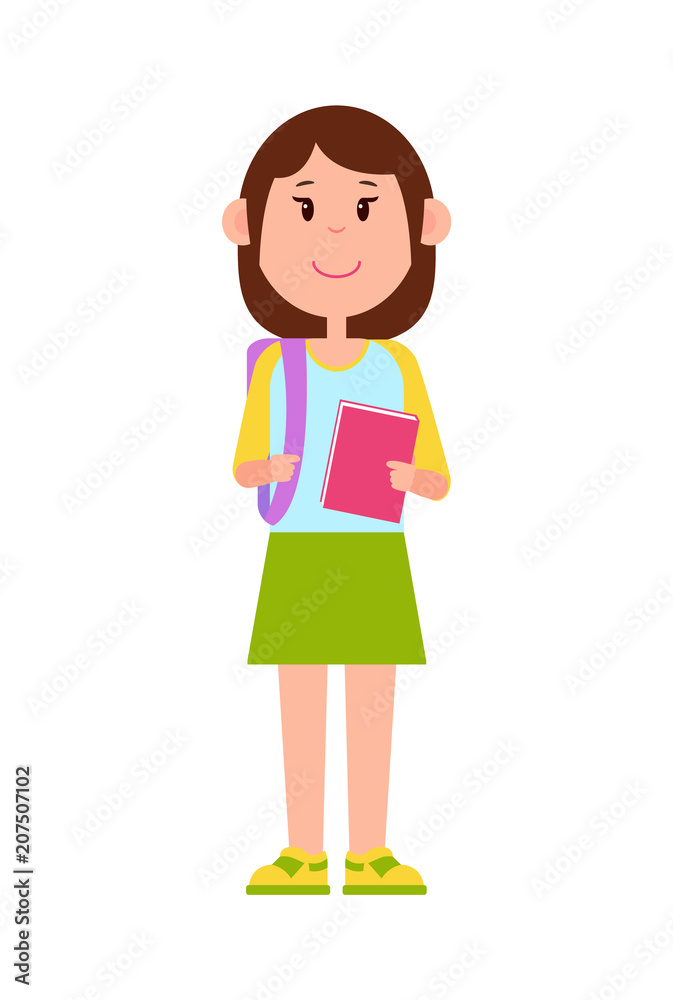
(303, 703)
(369, 735)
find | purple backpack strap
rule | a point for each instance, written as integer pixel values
(294, 364)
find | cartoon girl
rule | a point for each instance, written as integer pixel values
(336, 228)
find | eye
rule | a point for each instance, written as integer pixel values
(363, 208)
(306, 208)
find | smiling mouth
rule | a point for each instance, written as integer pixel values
(346, 275)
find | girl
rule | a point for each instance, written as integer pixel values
(336, 228)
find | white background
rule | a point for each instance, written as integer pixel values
(178, 332)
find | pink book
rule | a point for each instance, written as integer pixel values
(357, 479)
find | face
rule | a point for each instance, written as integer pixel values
(335, 242)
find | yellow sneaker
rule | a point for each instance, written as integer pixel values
(294, 873)
(377, 873)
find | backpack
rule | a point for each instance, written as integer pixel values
(293, 353)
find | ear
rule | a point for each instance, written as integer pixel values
(436, 222)
(235, 222)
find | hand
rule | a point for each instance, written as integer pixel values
(281, 467)
(402, 475)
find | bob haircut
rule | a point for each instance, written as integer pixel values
(357, 140)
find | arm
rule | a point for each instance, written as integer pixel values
(423, 482)
(260, 471)
(250, 467)
(428, 474)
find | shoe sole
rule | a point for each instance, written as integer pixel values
(287, 890)
(385, 890)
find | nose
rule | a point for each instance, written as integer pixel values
(336, 230)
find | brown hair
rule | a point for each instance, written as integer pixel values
(357, 140)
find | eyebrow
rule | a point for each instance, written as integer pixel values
(370, 183)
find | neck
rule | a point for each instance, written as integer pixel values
(336, 328)
(336, 348)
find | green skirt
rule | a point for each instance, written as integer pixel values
(337, 597)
